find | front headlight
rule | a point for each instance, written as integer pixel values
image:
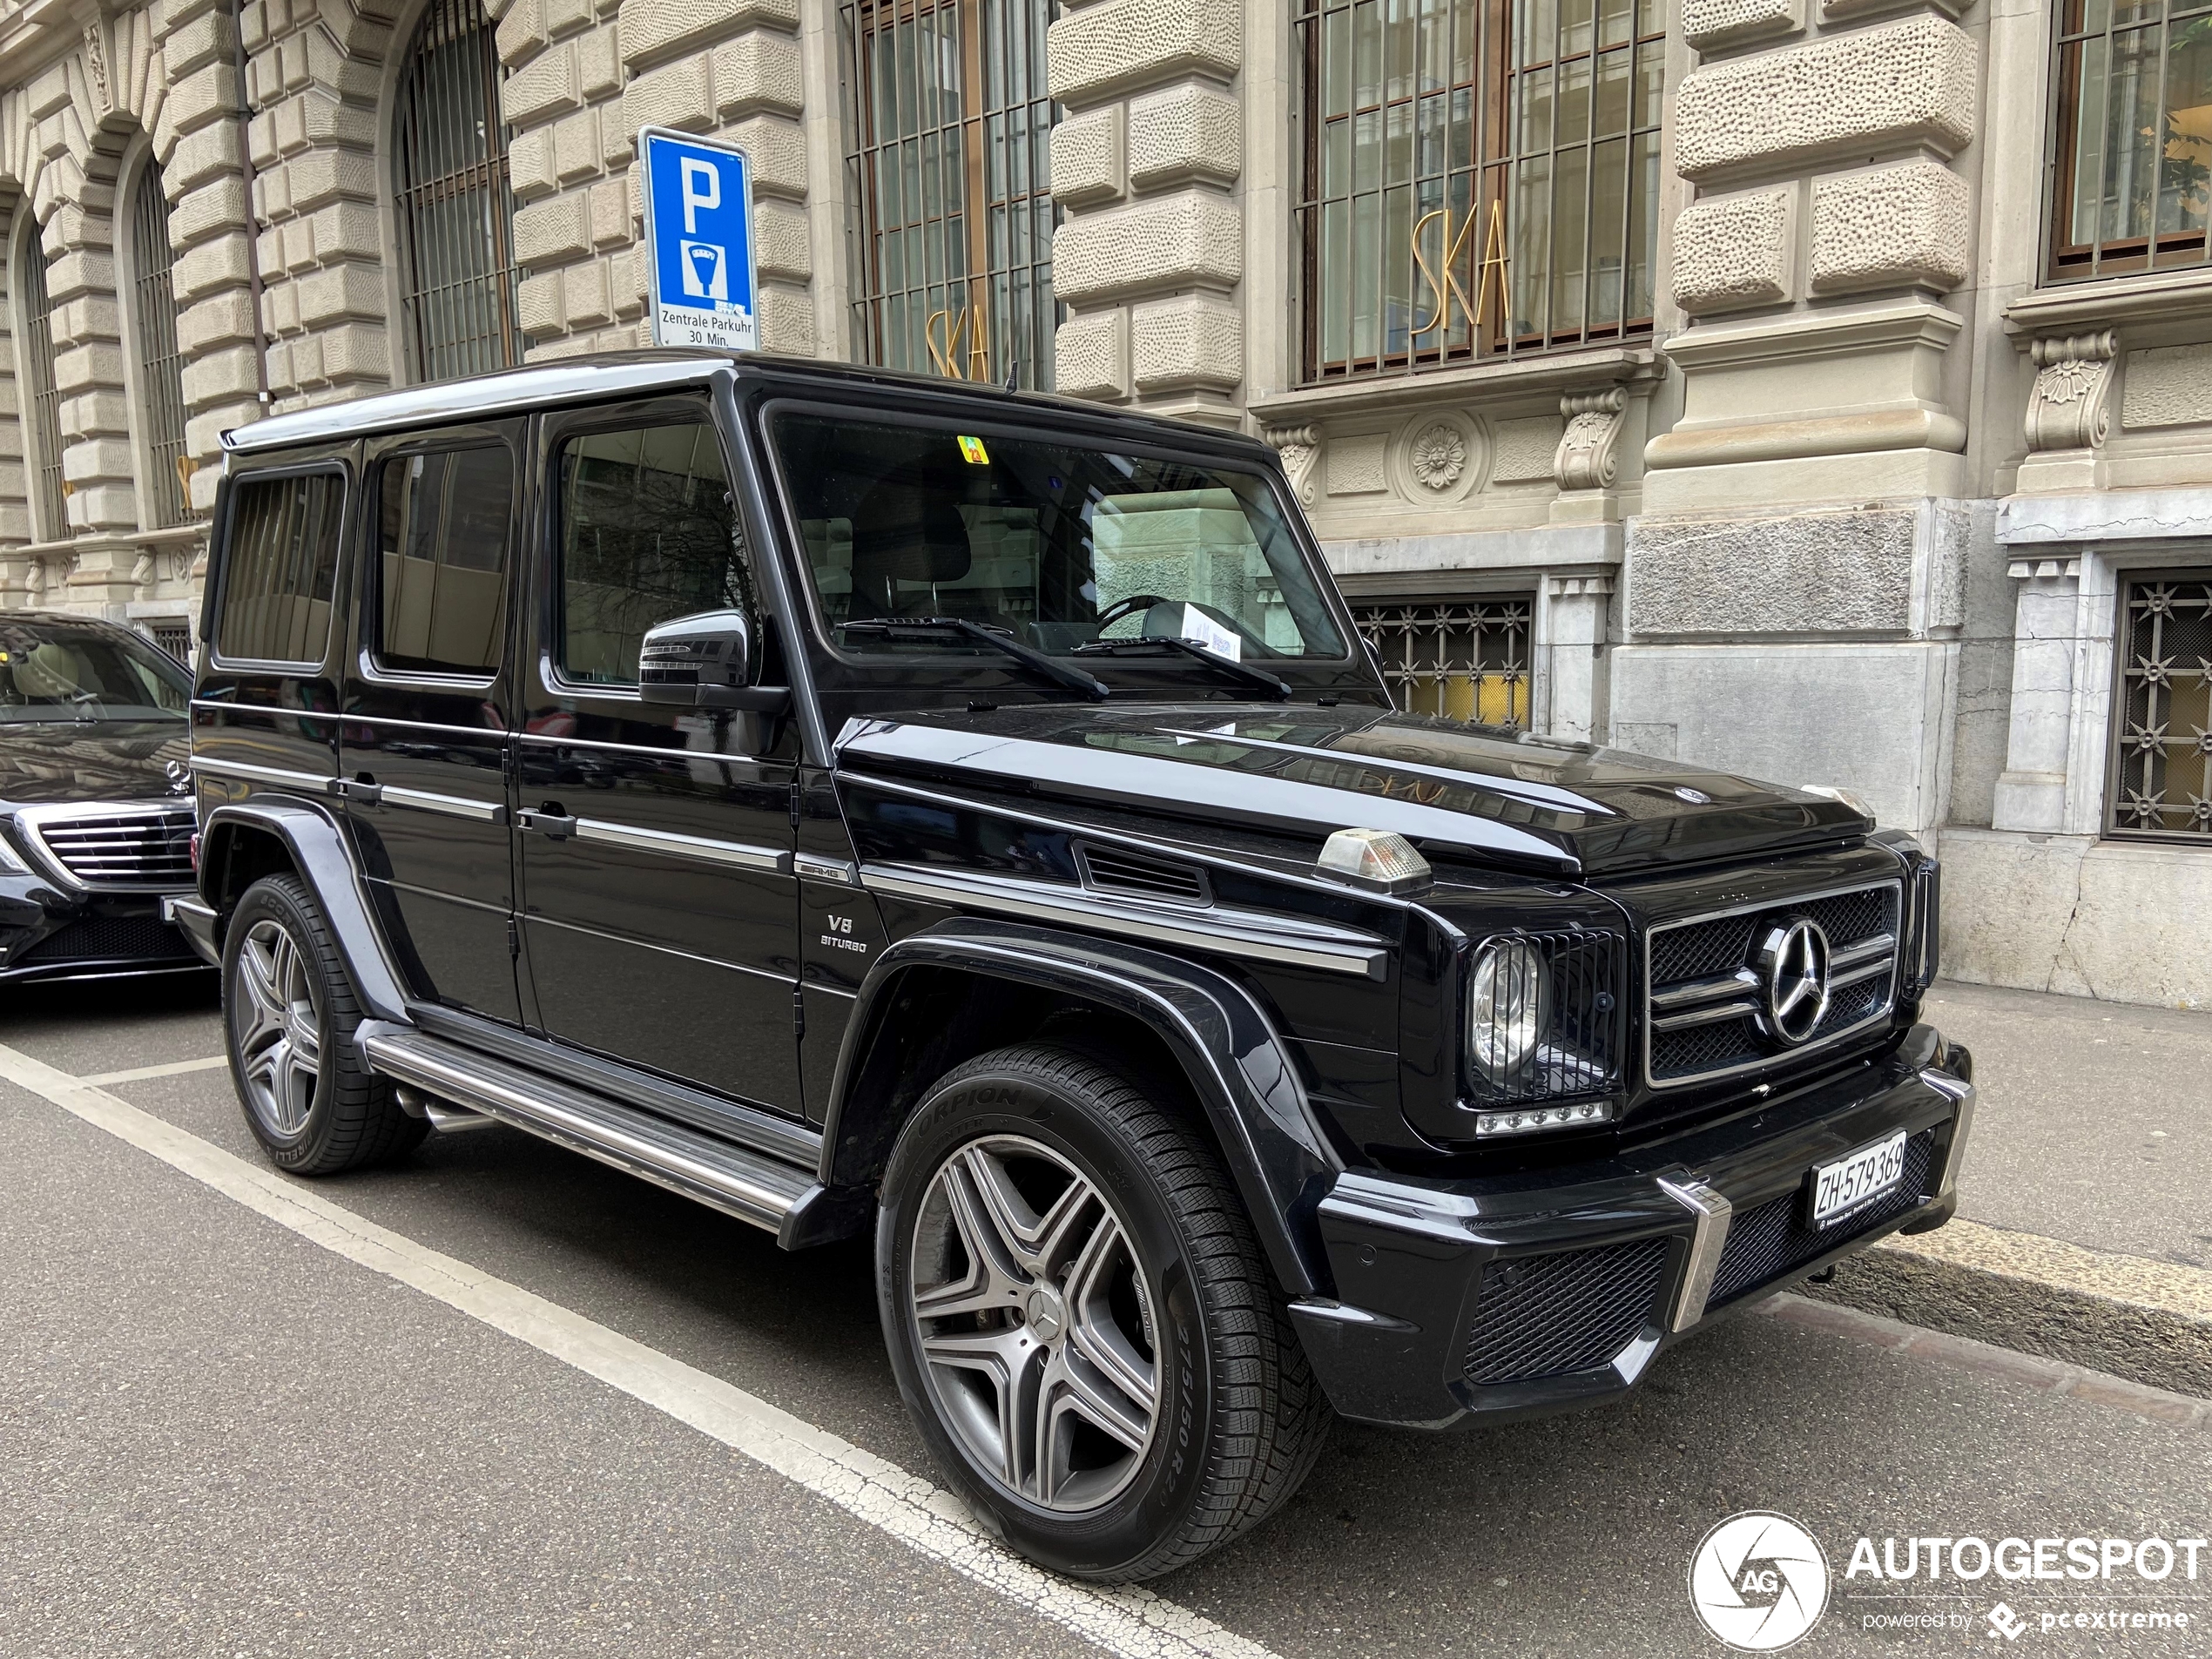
(1507, 986)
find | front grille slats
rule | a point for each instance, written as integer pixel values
(150, 848)
(1569, 1311)
(1703, 996)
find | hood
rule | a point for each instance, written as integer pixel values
(93, 760)
(1447, 787)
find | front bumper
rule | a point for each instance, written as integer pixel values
(47, 933)
(1491, 1300)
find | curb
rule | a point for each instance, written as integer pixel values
(2148, 1321)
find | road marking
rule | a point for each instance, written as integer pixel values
(1131, 1621)
(139, 1073)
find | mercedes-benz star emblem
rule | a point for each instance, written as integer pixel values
(1793, 968)
(180, 772)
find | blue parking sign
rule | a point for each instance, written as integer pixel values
(698, 240)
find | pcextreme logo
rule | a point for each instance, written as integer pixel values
(1758, 1581)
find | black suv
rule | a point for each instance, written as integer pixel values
(863, 802)
(96, 815)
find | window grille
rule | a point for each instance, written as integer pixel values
(1466, 659)
(51, 500)
(2133, 99)
(456, 214)
(2162, 729)
(173, 635)
(951, 170)
(1469, 158)
(161, 365)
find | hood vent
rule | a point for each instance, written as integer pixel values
(1141, 875)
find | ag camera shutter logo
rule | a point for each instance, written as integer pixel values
(1758, 1581)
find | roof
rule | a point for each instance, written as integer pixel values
(600, 374)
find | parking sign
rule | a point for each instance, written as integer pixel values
(699, 239)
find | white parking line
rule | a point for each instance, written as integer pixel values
(139, 1073)
(1129, 1622)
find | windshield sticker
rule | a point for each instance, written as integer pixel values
(973, 452)
(1202, 629)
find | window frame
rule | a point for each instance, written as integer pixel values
(219, 587)
(140, 167)
(48, 502)
(556, 432)
(2125, 578)
(367, 588)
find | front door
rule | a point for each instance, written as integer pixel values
(658, 911)
(423, 749)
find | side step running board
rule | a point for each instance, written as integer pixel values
(765, 1191)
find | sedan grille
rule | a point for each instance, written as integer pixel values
(1705, 1001)
(148, 846)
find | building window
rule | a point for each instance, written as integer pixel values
(950, 167)
(160, 364)
(2162, 732)
(457, 215)
(48, 498)
(2133, 158)
(1464, 659)
(173, 635)
(1468, 160)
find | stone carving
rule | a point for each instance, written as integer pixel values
(1090, 355)
(2069, 409)
(1088, 157)
(1359, 466)
(1718, 22)
(2171, 386)
(1299, 446)
(1184, 132)
(1894, 225)
(1522, 451)
(1588, 455)
(1911, 81)
(141, 569)
(1190, 341)
(1191, 238)
(96, 69)
(1733, 252)
(1438, 455)
(1130, 42)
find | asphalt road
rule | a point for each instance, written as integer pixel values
(217, 1436)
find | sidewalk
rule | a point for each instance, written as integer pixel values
(2085, 1216)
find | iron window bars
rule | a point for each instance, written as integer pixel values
(1442, 136)
(456, 214)
(2161, 767)
(1467, 660)
(950, 162)
(161, 364)
(2132, 156)
(49, 493)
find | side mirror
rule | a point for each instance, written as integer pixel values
(705, 662)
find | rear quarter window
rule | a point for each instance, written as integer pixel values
(280, 568)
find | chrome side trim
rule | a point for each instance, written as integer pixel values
(668, 844)
(1707, 1241)
(813, 866)
(1962, 1126)
(248, 774)
(1229, 933)
(424, 800)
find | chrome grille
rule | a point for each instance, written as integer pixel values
(144, 845)
(1703, 996)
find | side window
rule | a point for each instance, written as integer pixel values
(648, 532)
(281, 567)
(441, 560)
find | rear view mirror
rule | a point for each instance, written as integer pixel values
(705, 662)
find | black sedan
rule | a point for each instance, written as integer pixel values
(96, 816)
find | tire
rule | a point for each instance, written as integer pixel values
(1153, 1310)
(288, 1021)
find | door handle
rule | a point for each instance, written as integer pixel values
(556, 824)
(362, 789)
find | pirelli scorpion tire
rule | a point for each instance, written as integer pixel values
(288, 1021)
(1081, 1321)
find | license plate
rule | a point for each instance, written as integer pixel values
(1850, 1183)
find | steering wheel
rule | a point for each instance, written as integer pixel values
(1121, 607)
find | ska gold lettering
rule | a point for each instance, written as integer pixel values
(1443, 280)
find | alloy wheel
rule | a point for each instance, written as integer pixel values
(1035, 1323)
(277, 1026)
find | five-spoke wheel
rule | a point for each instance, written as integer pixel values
(276, 1026)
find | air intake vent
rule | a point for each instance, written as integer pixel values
(1117, 870)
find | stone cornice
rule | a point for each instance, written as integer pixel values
(1534, 376)
(2168, 297)
(1815, 333)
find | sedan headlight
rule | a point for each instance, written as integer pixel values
(1507, 1011)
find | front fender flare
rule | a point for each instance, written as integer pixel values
(324, 862)
(1228, 1050)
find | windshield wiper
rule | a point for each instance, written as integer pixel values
(959, 627)
(1280, 690)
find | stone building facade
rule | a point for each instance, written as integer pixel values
(1819, 388)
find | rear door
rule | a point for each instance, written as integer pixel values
(426, 743)
(659, 909)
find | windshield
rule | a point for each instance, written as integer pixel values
(1059, 545)
(52, 671)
